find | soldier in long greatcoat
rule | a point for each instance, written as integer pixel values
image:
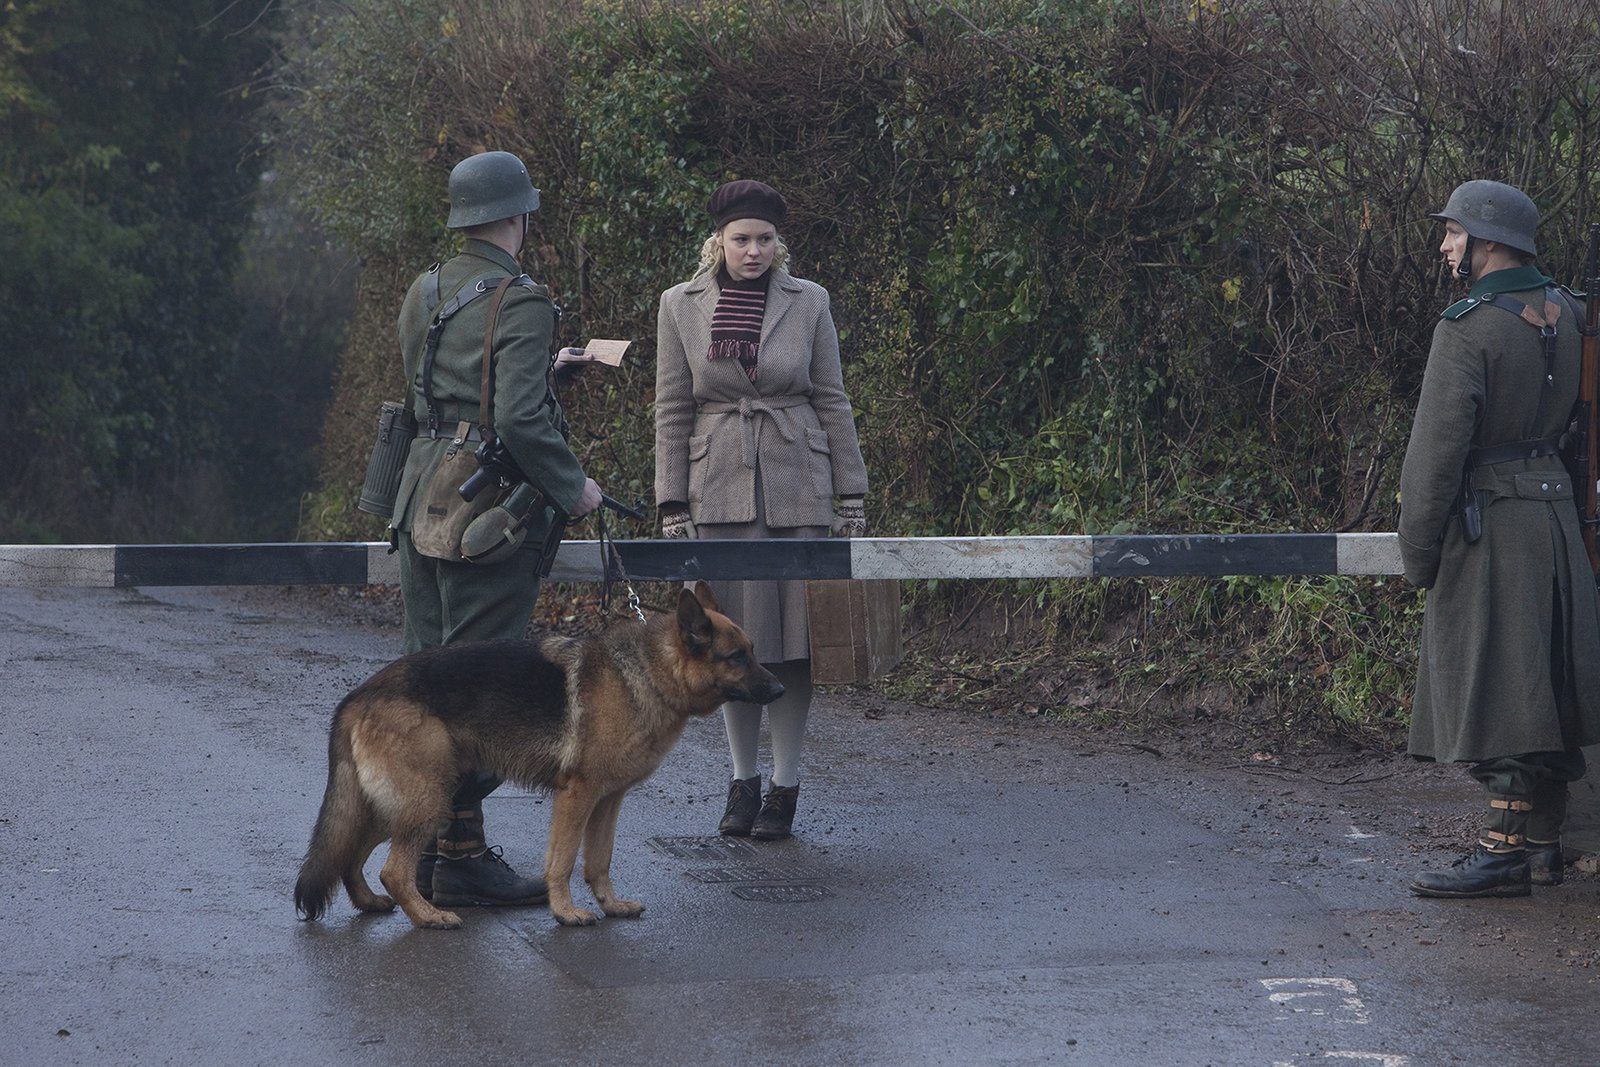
(1508, 674)
(755, 438)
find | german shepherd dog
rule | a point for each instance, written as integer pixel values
(587, 719)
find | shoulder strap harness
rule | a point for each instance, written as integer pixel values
(442, 309)
(1489, 455)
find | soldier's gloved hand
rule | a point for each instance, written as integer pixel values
(850, 517)
(675, 523)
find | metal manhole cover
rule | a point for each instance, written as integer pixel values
(705, 849)
(734, 874)
(781, 894)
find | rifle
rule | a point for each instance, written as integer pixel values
(1586, 440)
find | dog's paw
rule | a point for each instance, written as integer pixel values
(446, 920)
(577, 917)
(623, 909)
(377, 904)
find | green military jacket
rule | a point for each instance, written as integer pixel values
(525, 415)
(1510, 655)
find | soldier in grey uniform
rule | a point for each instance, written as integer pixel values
(1508, 674)
(447, 601)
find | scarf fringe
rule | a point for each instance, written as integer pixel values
(743, 351)
(729, 348)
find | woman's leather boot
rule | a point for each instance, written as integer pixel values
(744, 800)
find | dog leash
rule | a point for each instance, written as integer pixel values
(609, 559)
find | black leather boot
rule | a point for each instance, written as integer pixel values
(485, 880)
(1546, 865)
(470, 874)
(1481, 873)
(1498, 867)
(744, 800)
(777, 813)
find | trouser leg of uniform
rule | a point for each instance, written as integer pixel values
(446, 602)
(1543, 778)
(419, 589)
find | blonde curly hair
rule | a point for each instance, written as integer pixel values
(711, 256)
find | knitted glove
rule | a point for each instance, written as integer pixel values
(850, 517)
(675, 523)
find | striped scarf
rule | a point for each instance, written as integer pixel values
(736, 323)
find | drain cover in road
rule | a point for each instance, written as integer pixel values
(754, 874)
(781, 894)
(705, 849)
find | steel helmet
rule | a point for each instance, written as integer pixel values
(1493, 211)
(488, 187)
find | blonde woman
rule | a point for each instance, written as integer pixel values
(755, 438)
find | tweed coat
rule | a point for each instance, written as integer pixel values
(756, 459)
(1509, 662)
(714, 426)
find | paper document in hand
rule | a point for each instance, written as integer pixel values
(608, 352)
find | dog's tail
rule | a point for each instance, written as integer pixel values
(340, 826)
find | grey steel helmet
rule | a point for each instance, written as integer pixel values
(1493, 211)
(488, 187)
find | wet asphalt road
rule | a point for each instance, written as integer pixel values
(962, 891)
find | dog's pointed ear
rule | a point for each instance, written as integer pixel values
(708, 599)
(692, 618)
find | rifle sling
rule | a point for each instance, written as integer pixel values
(485, 390)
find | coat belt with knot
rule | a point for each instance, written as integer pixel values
(748, 408)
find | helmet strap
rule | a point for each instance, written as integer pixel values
(1464, 268)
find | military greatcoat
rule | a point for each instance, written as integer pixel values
(1510, 656)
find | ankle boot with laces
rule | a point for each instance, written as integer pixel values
(777, 813)
(744, 801)
(467, 873)
(1498, 867)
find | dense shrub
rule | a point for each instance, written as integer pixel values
(127, 167)
(1098, 265)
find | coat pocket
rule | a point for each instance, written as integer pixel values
(699, 449)
(1541, 486)
(821, 462)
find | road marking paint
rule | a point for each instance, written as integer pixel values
(1333, 998)
(1381, 1059)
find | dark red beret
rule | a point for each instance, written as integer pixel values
(746, 199)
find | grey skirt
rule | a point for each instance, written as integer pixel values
(772, 613)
